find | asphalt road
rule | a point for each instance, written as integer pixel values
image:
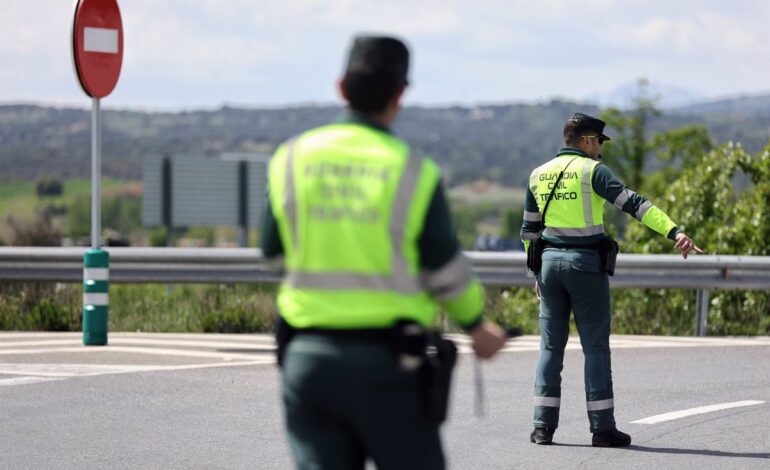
(212, 402)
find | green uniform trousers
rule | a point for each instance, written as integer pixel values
(346, 401)
(571, 280)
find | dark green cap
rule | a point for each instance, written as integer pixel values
(378, 56)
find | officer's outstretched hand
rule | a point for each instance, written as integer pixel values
(686, 245)
(488, 339)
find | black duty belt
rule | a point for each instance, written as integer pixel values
(367, 334)
(574, 246)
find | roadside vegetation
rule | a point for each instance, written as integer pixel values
(719, 194)
(141, 307)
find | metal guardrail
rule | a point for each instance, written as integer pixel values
(140, 265)
(244, 265)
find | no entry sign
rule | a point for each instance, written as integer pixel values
(97, 45)
(97, 53)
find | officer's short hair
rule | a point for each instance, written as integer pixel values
(572, 133)
(368, 93)
(375, 72)
(579, 125)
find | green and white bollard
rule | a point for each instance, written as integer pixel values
(96, 296)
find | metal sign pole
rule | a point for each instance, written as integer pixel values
(96, 262)
(96, 174)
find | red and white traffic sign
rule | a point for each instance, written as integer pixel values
(97, 40)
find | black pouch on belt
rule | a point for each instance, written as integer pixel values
(535, 255)
(283, 334)
(609, 249)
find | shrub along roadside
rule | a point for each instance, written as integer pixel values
(245, 308)
(142, 307)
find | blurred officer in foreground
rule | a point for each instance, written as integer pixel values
(369, 254)
(568, 250)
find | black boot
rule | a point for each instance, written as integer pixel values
(611, 438)
(542, 436)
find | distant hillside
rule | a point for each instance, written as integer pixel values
(748, 106)
(501, 143)
(667, 96)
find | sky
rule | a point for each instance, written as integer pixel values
(195, 54)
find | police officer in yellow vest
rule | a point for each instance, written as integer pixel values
(369, 255)
(573, 277)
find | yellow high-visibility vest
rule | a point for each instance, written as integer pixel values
(575, 210)
(350, 202)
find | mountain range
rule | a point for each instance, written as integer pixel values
(500, 143)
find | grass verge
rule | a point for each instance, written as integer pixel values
(246, 308)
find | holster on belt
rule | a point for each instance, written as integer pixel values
(283, 335)
(441, 360)
(609, 249)
(434, 357)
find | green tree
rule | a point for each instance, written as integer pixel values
(632, 150)
(510, 222)
(122, 214)
(676, 149)
(722, 219)
(627, 152)
(79, 217)
(466, 217)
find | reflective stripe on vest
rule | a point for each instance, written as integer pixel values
(646, 205)
(290, 197)
(533, 216)
(451, 280)
(574, 232)
(399, 280)
(624, 196)
(587, 191)
(533, 184)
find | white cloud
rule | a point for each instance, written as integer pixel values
(203, 52)
(717, 39)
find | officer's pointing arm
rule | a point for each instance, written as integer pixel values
(608, 186)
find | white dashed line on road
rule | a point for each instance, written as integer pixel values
(696, 411)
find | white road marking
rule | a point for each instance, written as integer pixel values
(26, 380)
(532, 343)
(695, 411)
(135, 350)
(251, 346)
(247, 349)
(112, 340)
(37, 373)
(63, 370)
(88, 370)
